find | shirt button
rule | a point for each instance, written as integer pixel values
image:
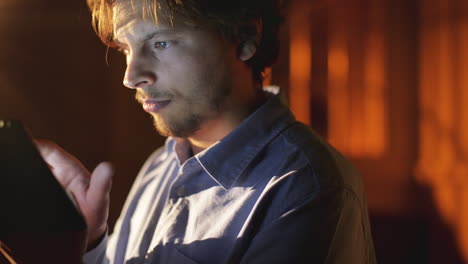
(181, 191)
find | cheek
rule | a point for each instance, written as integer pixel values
(207, 55)
(196, 71)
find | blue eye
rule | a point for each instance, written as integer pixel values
(162, 44)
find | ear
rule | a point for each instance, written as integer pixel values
(248, 47)
(247, 50)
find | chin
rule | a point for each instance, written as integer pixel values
(161, 127)
(182, 126)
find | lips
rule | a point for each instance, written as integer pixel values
(154, 106)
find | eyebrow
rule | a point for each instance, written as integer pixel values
(149, 36)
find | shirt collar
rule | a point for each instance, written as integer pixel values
(227, 159)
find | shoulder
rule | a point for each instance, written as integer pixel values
(308, 169)
(329, 167)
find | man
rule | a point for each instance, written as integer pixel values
(238, 180)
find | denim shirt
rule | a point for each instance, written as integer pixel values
(271, 191)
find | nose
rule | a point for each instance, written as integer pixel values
(139, 73)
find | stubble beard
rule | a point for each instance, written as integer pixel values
(190, 121)
(177, 128)
(191, 118)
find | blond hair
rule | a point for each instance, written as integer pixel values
(235, 20)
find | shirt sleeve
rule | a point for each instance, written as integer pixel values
(105, 252)
(98, 254)
(331, 228)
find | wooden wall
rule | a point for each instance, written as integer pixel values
(393, 101)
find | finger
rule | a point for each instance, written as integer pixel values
(98, 199)
(54, 154)
(100, 183)
(46, 147)
(67, 169)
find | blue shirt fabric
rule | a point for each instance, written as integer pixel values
(271, 191)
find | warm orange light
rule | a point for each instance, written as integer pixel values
(338, 63)
(461, 138)
(300, 65)
(267, 77)
(443, 162)
(338, 118)
(357, 111)
(427, 127)
(374, 111)
(462, 73)
(4, 251)
(445, 114)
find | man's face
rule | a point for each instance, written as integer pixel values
(183, 75)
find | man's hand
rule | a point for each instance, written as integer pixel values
(90, 190)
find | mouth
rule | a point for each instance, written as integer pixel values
(155, 105)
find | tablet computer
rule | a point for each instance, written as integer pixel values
(31, 198)
(33, 204)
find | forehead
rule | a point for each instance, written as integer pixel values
(127, 11)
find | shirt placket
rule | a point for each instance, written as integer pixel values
(170, 216)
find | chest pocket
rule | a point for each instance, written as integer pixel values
(167, 254)
(180, 257)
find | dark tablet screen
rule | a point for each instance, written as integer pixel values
(31, 199)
